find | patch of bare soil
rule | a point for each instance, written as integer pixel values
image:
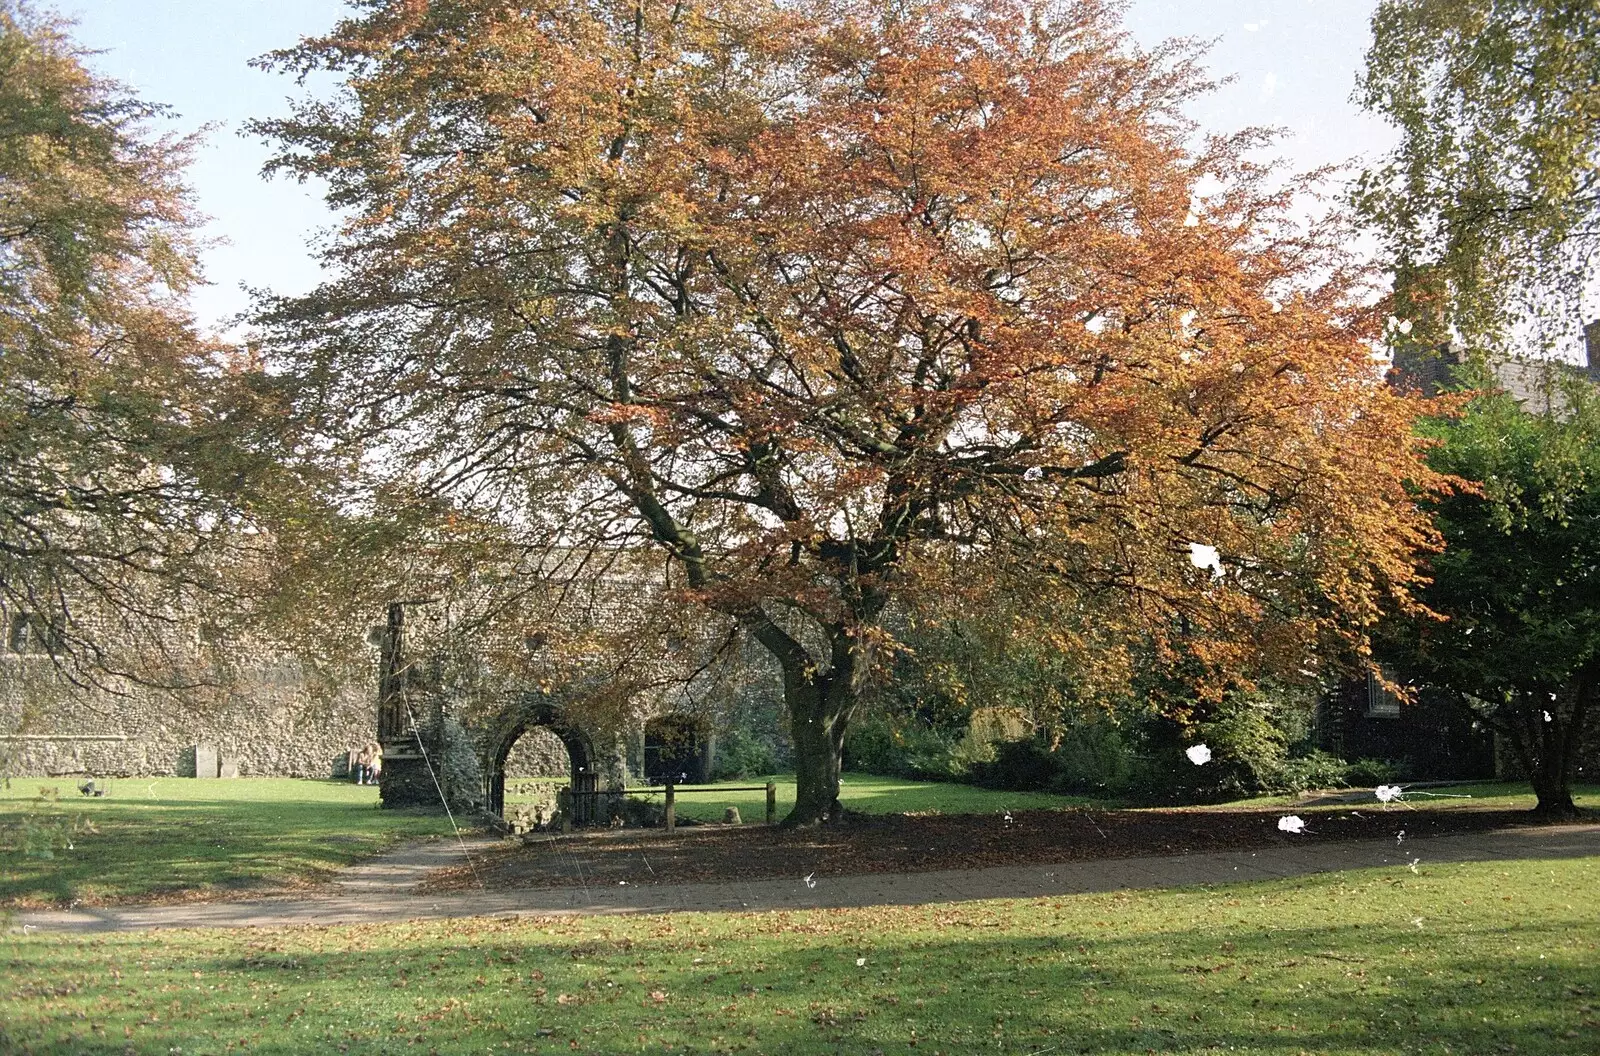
(900, 843)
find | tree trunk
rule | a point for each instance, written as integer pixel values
(820, 704)
(1548, 747)
(818, 719)
(1554, 791)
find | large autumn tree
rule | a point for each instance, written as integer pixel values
(106, 519)
(843, 305)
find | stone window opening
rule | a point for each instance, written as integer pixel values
(1382, 703)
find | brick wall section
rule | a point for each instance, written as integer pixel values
(275, 723)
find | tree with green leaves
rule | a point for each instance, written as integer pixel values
(1490, 203)
(1518, 583)
(106, 515)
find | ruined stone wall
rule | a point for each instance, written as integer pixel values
(538, 753)
(272, 720)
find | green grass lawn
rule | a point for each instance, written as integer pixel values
(872, 794)
(1498, 795)
(868, 794)
(172, 837)
(1469, 958)
(154, 837)
(1501, 795)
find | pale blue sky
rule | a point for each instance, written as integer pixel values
(1294, 64)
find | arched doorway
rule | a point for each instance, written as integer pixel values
(534, 712)
(678, 748)
(537, 767)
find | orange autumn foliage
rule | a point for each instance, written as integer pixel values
(853, 308)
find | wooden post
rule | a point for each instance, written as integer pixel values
(772, 802)
(392, 724)
(672, 819)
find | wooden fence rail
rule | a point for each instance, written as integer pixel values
(673, 791)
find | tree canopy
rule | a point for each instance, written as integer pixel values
(1489, 204)
(1518, 581)
(104, 519)
(845, 305)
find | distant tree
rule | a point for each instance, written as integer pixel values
(1489, 204)
(845, 306)
(1518, 581)
(104, 522)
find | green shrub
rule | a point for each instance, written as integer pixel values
(1019, 766)
(1316, 770)
(1094, 757)
(932, 754)
(1090, 757)
(1373, 772)
(870, 747)
(1249, 734)
(1248, 749)
(741, 755)
(906, 747)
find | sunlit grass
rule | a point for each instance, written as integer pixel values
(1501, 795)
(874, 794)
(156, 837)
(1462, 958)
(1483, 795)
(866, 794)
(178, 837)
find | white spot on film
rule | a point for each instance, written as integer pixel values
(1203, 556)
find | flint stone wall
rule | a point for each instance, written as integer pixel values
(274, 722)
(538, 753)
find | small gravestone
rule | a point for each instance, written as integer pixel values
(205, 761)
(730, 816)
(228, 767)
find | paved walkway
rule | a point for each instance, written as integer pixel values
(382, 889)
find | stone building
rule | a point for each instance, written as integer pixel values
(462, 728)
(1429, 739)
(459, 727)
(267, 718)
(1536, 383)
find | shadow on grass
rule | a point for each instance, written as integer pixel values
(1475, 958)
(54, 852)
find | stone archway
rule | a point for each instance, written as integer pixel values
(503, 730)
